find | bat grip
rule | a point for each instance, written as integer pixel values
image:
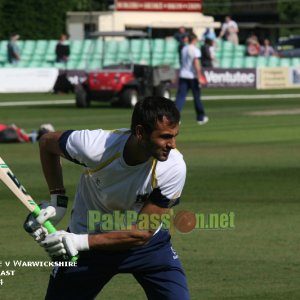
(50, 228)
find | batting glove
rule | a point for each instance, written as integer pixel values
(64, 244)
(53, 211)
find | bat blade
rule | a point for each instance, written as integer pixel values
(11, 181)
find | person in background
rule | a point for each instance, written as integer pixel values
(207, 54)
(13, 50)
(189, 78)
(230, 31)
(181, 36)
(62, 49)
(253, 46)
(14, 134)
(209, 34)
(267, 50)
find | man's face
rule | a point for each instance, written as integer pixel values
(162, 140)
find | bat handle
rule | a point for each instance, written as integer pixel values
(50, 228)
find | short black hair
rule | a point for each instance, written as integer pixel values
(151, 110)
(192, 36)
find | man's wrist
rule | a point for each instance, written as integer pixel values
(81, 242)
(60, 191)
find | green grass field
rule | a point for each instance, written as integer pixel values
(249, 165)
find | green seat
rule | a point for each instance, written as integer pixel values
(45, 64)
(81, 65)
(171, 46)
(228, 46)
(284, 62)
(157, 59)
(41, 47)
(219, 44)
(262, 61)
(34, 64)
(295, 62)
(76, 46)
(238, 62)
(227, 54)
(123, 46)
(226, 62)
(111, 48)
(94, 65)
(29, 47)
(158, 45)
(250, 62)
(136, 45)
(3, 47)
(146, 46)
(97, 47)
(23, 64)
(51, 47)
(122, 56)
(59, 65)
(273, 61)
(86, 47)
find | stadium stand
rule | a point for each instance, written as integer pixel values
(84, 53)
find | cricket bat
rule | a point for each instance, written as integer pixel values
(11, 181)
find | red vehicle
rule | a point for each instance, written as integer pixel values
(124, 83)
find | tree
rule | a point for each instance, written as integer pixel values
(33, 19)
(289, 13)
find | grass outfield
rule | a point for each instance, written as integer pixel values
(249, 165)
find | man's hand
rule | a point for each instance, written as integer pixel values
(53, 211)
(34, 225)
(65, 244)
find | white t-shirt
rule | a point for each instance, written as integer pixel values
(109, 184)
(229, 28)
(188, 54)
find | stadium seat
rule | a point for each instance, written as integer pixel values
(284, 62)
(157, 59)
(218, 45)
(29, 48)
(136, 45)
(123, 46)
(76, 46)
(295, 62)
(86, 47)
(171, 45)
(34, 64)
(51, 47)
(261, 61)
(146, 44)
(111, 48)
(158, 45)
(238, 62)
(273, 61)
(41, 47)
(228, 46)
(226, 62)
(250, 62)
(227, 54)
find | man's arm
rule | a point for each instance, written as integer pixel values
(50, 153)
(126, 239)
(197, 68)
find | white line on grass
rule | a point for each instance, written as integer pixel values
(42, 102)
(250, 97)
(221, 97)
